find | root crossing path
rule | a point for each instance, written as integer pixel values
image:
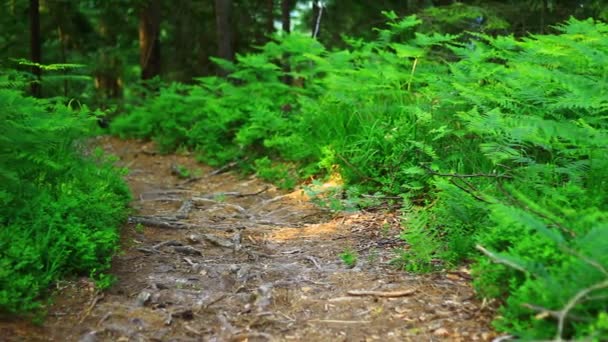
(215, 257)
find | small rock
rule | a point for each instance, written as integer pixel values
(142, 298)
(193, 238)
(91, 336)
(441, 332)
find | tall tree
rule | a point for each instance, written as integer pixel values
(286, 7)
(223, 14)
(149, 39)
(270, 18)
(35, 46)
(316, 18)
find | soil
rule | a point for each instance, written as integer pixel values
(219, 257)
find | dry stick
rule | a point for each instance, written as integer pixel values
(167, 243)
(218, 241)
(474, 175)
(188, 250)
(251, 334)
(227, 167)
(563, 313)
(338, 321)
(499, 260)
(89, 309)
(235, 194)
(160, 223)
(553, 313)
(192, 330)
(314, 261)
(387, 294)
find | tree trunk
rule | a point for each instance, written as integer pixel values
(35, 46)
(270, 19)
(316, 11)
(286, 15)
(223, 13)
(149, 39)
(543, 13)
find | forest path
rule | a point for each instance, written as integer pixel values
(222, 258)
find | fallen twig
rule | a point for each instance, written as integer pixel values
(314, 261)
(147, 250)
(247, 335)
(167, 243)
(160, 223)
(236, 194)
(338, 321)
(89, 309)
(226, 167)
(387, 294)
(217, 241)
(192, 330)
(473, 175)
(189, 250)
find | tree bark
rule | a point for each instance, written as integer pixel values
(270, 19)
(316, 10)
(223, 13)
(149, 39)
(286, 6)
(35, 46)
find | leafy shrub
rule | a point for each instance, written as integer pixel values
(59, 211)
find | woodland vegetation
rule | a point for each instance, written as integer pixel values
(484, 122)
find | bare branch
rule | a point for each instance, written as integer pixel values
(473, 175)
(500, 260)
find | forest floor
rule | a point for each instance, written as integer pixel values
(219, 257)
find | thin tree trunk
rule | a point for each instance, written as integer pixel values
(286, 15)
(63, 59)
(316, 10)
(286, 7)
(223, 12)
(543, 13)
(35, 46)
(149, 40)
(270, 19)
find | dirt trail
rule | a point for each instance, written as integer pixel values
(221, 258)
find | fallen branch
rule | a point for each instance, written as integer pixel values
(227, 167)
(387, 294)
(217, 241)
(167, 243)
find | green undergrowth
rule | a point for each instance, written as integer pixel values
(497, 145)
(59, 209)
